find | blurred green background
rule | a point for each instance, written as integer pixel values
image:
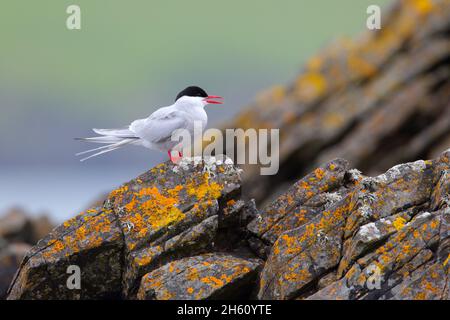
(129, 58)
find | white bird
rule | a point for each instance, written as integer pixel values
(155, 131)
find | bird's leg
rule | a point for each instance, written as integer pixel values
(174, 159)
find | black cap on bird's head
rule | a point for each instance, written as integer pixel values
(194, 91)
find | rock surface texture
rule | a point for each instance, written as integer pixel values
(168, 213)
(183, 232)
(383, 237)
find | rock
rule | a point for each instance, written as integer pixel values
(209, 276)
(377, 100)
(10, 257)
(92, 241)
(387, 238)
(16, 225)
(18, 230)
(184, 232)
(170, 212)
(305, 200)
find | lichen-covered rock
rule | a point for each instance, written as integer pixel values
(209, 276)
(388, 238)
(170, 212)
(301, 256)
(405, 267)
(377, 100)
(92, 241)
(306, 199)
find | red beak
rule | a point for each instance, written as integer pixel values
(210, 99)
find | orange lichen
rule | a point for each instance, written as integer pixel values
(212, 281)
(190, 290)
(422, 6)
(360, 66)
(399, 223)
(143, 261)
(434, 224)
(311, 85)
(420, 296)
(119, 191)
(305, 185)
(298, 276)
(192, 274)
(320, 173)
(87, 235)
(205, 189)
(154, 209)
(446, 260)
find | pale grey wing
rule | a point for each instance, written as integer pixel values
(158, 128)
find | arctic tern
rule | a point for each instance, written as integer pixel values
(155, 131)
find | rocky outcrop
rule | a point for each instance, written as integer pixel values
(209, 276)
(376, 101)
(170, 212)
(385, 237)
(183, 232)
(18, 232)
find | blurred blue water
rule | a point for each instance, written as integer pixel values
(61, 191)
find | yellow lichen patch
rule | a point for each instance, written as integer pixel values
(88, 235)
(154, 209)
(143, 261)
(69, 222)
(291, 244)
(399, 223)
(299, 276)
(190, 290)
(119, 191)
(166, 295)
(320, 173)
(305, 185)
(311, 85)
(434, 224)
(212, 281)
(205, 189)
(421, 6)
(192, 274)
(360, 66)
(446, 260)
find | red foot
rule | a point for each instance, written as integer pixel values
(174, 159)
